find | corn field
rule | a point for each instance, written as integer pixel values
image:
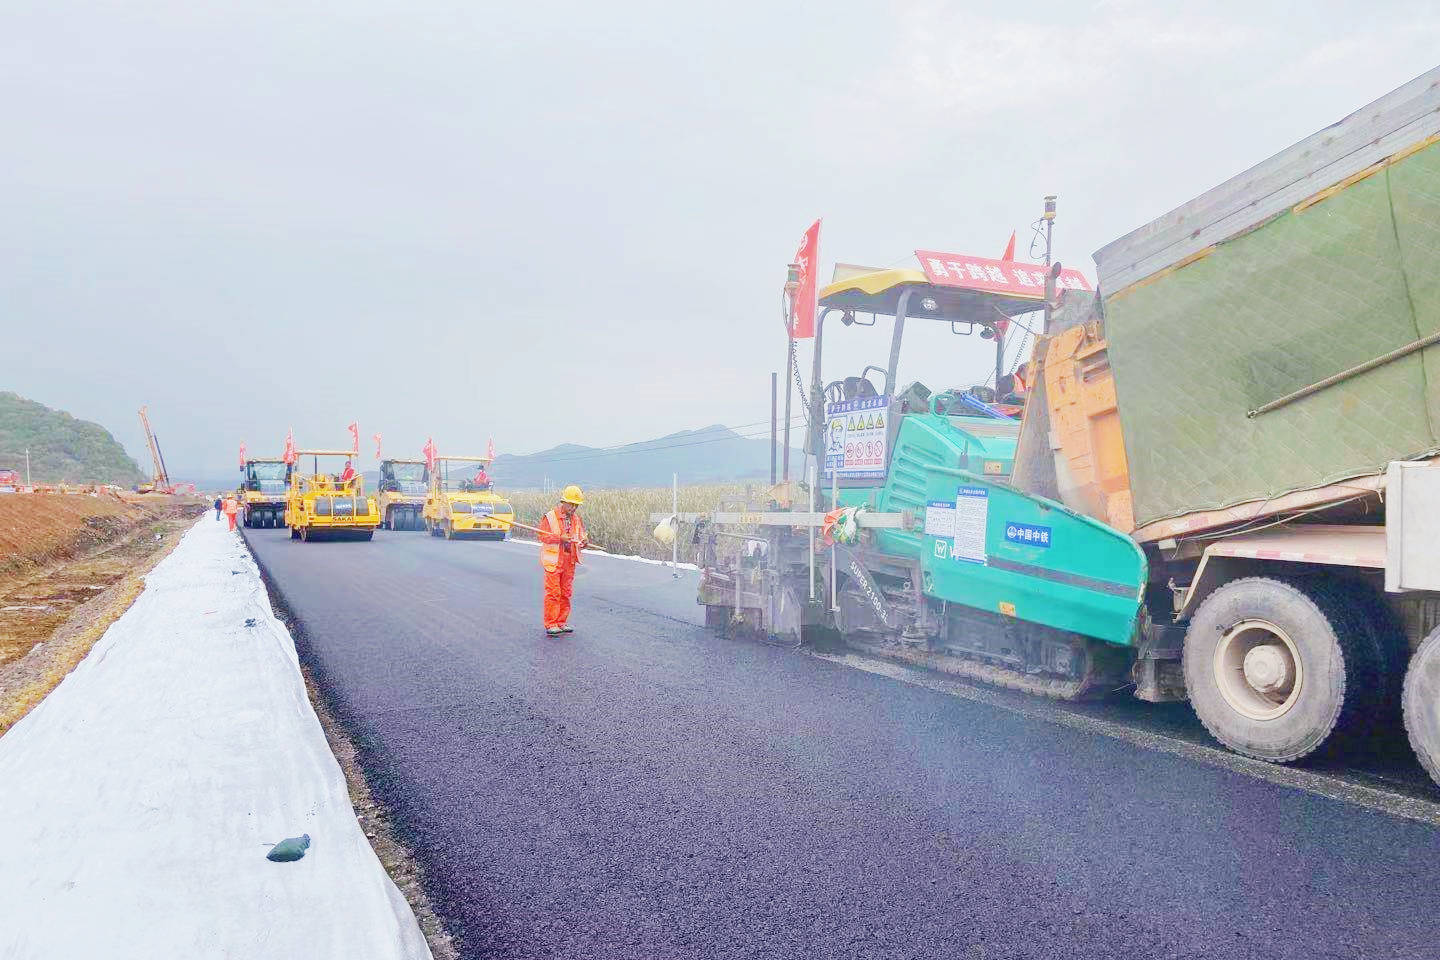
(619, 520)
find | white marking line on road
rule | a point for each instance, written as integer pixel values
(1382, 801)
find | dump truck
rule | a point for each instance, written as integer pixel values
(1225, 484)
(321, 506)
(263, 487)
(457, 509)
(403, 486)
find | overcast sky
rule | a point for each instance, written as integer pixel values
(550, 222)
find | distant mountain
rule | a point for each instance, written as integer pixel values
(710, 454)
(62, 448)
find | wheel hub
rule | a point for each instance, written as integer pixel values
(1268, 669)
(1258, 670)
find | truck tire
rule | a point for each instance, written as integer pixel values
(717, 617)
(1393, 648)
(1421, 700)
(1273, 669)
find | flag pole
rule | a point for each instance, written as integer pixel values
(792, 284)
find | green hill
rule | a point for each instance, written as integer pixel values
(62, 448)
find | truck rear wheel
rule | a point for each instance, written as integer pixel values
(717, 617)
(1421, 701)
(1272, 670)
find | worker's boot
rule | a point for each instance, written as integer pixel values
(554, 631)
(566, 628)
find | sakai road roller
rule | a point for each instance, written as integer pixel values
(1224, 488)
(262, 492)
(456, 508)
(403, 486)
(321, 506)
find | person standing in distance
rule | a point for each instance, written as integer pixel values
(562, 537)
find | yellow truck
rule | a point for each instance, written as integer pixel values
(403, 485)
(459, 508)
(262, 492)
(322, 506)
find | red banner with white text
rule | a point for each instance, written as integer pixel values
(994, 276)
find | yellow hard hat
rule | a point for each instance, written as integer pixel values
(573, 495)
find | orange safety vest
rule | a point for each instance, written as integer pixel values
(230, 506)
(554, 526)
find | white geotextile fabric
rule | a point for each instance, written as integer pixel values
(138, 801)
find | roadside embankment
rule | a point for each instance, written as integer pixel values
(69, 566)
(41, 529)
(142, 795)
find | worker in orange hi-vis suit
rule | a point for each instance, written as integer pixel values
(562, 537)
(231, 507)
(348, 473)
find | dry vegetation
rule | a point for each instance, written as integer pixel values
(619, 520)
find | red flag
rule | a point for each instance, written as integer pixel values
(242, 454)
(429, 452)
(802, 309)
(377, 446)
(354, 429)
(490, 449)
(289, 455)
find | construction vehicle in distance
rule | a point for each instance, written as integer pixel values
(263, 491)
(1226, 483)
(159, 476)
(456, 509)
(320, 506)
(403, 486)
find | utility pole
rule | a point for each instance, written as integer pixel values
(774, 427)
(27, 467)
(1049, 280)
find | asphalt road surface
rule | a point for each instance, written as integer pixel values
(646, 790)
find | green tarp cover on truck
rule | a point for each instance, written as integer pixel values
(1324, 257)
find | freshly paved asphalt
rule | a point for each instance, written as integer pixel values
(646, 790)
